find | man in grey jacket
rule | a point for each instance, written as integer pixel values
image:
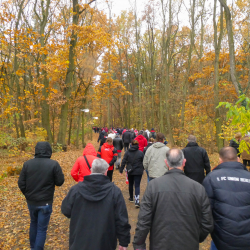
(175, 209)
(154, 158)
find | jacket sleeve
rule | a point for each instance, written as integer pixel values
(22, 179)
(144, 220)
(58, 175)
(99, 138)
(99, 152)
(206, 162)
(68, 203)
(75, 171)
(123, 137)
(209, 189)
(114, 157)
(121, 144)
(121, 220)
(145, 159)
(124, 162)
(207, 225)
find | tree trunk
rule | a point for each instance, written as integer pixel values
(229, 25)
(69, 77)
(217, 47)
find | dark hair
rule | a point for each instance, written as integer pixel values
(141, 132)
(228, 154)
(160, 137)
(134, 142)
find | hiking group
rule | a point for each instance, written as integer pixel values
(183, 203)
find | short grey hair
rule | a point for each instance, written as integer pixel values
(175, 158)
(99, 166)
(191, 138)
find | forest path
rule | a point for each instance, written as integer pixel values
(14, 214)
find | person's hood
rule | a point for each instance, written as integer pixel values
(158, 145)
(133, 148)
(140, 138)
(89, 150)
(43, 150)
(106, 145)
(146, 131)
(230, 165)
(95, 187)
(192, 144)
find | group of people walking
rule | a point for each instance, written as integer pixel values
(184, 201)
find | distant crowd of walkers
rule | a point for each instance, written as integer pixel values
(184, 200)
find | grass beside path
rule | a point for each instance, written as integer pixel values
(14, 214)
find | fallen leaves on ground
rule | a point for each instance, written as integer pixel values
(14, 213)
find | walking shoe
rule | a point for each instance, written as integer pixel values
(130, 199)
(137, 204)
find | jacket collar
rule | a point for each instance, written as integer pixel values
(192, 144)
(230, 165)
(175, 170)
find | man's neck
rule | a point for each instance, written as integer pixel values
(180, 168)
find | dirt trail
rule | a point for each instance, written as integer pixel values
(14, 215)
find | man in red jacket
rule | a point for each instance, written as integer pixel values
(108, 153)
(142, 141)
(83, 164)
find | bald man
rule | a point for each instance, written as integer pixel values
(228, 188)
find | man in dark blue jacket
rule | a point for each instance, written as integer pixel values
(228, 188)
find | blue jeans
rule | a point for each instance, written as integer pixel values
(213, 247)
(147, 175)
(39, 221)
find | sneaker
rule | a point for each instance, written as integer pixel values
(137, 204)
(130, 200)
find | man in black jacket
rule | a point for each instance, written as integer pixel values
(175, 209)
(127, 139)
(118, 144)
(37, 182)
(228, 188)
(197, 160)
(101, 136)
(97, 211)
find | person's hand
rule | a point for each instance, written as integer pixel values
(122, 248)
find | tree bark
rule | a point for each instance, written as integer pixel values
(217, 47)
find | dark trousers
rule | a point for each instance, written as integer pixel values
(110, 174)
(134, 180)
(126, 145)
(246, 162)
(39, 221)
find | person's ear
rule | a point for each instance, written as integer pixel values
(106, 172)
(220, 160)
(238, 159)
(184, 163)
(166, 163)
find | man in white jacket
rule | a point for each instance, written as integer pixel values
(154, 158)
